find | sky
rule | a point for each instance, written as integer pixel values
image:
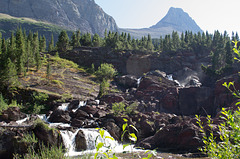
(210, 15)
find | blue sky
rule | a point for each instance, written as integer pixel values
(210, 15)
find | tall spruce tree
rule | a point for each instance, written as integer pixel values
(63, 41)
(21, 52)
(36, 53)
(51, 44)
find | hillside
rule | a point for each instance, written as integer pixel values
(85, 15)
(175, 20)
(9, 24)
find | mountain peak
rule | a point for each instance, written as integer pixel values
(178, 20)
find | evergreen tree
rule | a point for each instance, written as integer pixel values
(63, 41)
(74, 40)
(21, 53)
(229, 54)
(48, 68)
(9, 76)
(0, 42)
(35, 48)
(150, 46)
(96, 40)
(86, 40)
(42, 44)
(78, 36)
(12, 48)
(51, 44)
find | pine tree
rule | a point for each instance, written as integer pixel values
(78, 35)
(21, 52)
(96, 40)
(36, 53)
(86, 40)
(51, 44)
(9, 76)
(0, 42)
(150, 46)
(48, 68)
(63, 41)
(42, 44)
(229, 54)
(12, 48)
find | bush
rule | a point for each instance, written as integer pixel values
(103, 90)
(3, 104)
(105, 72)
(131, 108)
(118, 108)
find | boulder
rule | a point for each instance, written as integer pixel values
(127, 81)
(196, 100)
(47, 135)
(112, 98)
(81, 114)
(13, 114)
(181, 137)
(223, 97)
(89, 109)
(60, 116)
(113, 130)
(80, 140)
(77, 123)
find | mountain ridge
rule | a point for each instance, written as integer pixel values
(85, 15)
(175, 20)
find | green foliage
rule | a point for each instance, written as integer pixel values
(63, 41)
(103, 90)
(3, 104)
(118, 108)
(229, 144)
(29, 138)
(44, 152)
(131, 108)
(105, 72)
(99, 145)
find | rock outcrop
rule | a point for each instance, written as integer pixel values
(85, 15)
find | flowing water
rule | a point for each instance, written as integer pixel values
(93, 137)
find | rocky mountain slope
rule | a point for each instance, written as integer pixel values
(85, 15)
(176, 19)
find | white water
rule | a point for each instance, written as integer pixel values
(63, 107)
(81, 104)
(93, 138)
(69, 140)
(139, 81)
(169, 77)
(22, 120)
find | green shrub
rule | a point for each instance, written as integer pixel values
(131, 108)
(3, 104)
(45, 152)
(118, 108)
(104, 87)
(105, 71)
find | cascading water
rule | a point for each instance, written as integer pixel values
(81, 104)
(69, 140)
(92, 137)
(63, 107)
(22, 120)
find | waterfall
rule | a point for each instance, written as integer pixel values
(81, 104)
(169, 77)
(63, 107)
(22, 120)
(91, 136)
(69, 140)
(139, 81)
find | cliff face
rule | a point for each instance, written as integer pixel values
(85, 15)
